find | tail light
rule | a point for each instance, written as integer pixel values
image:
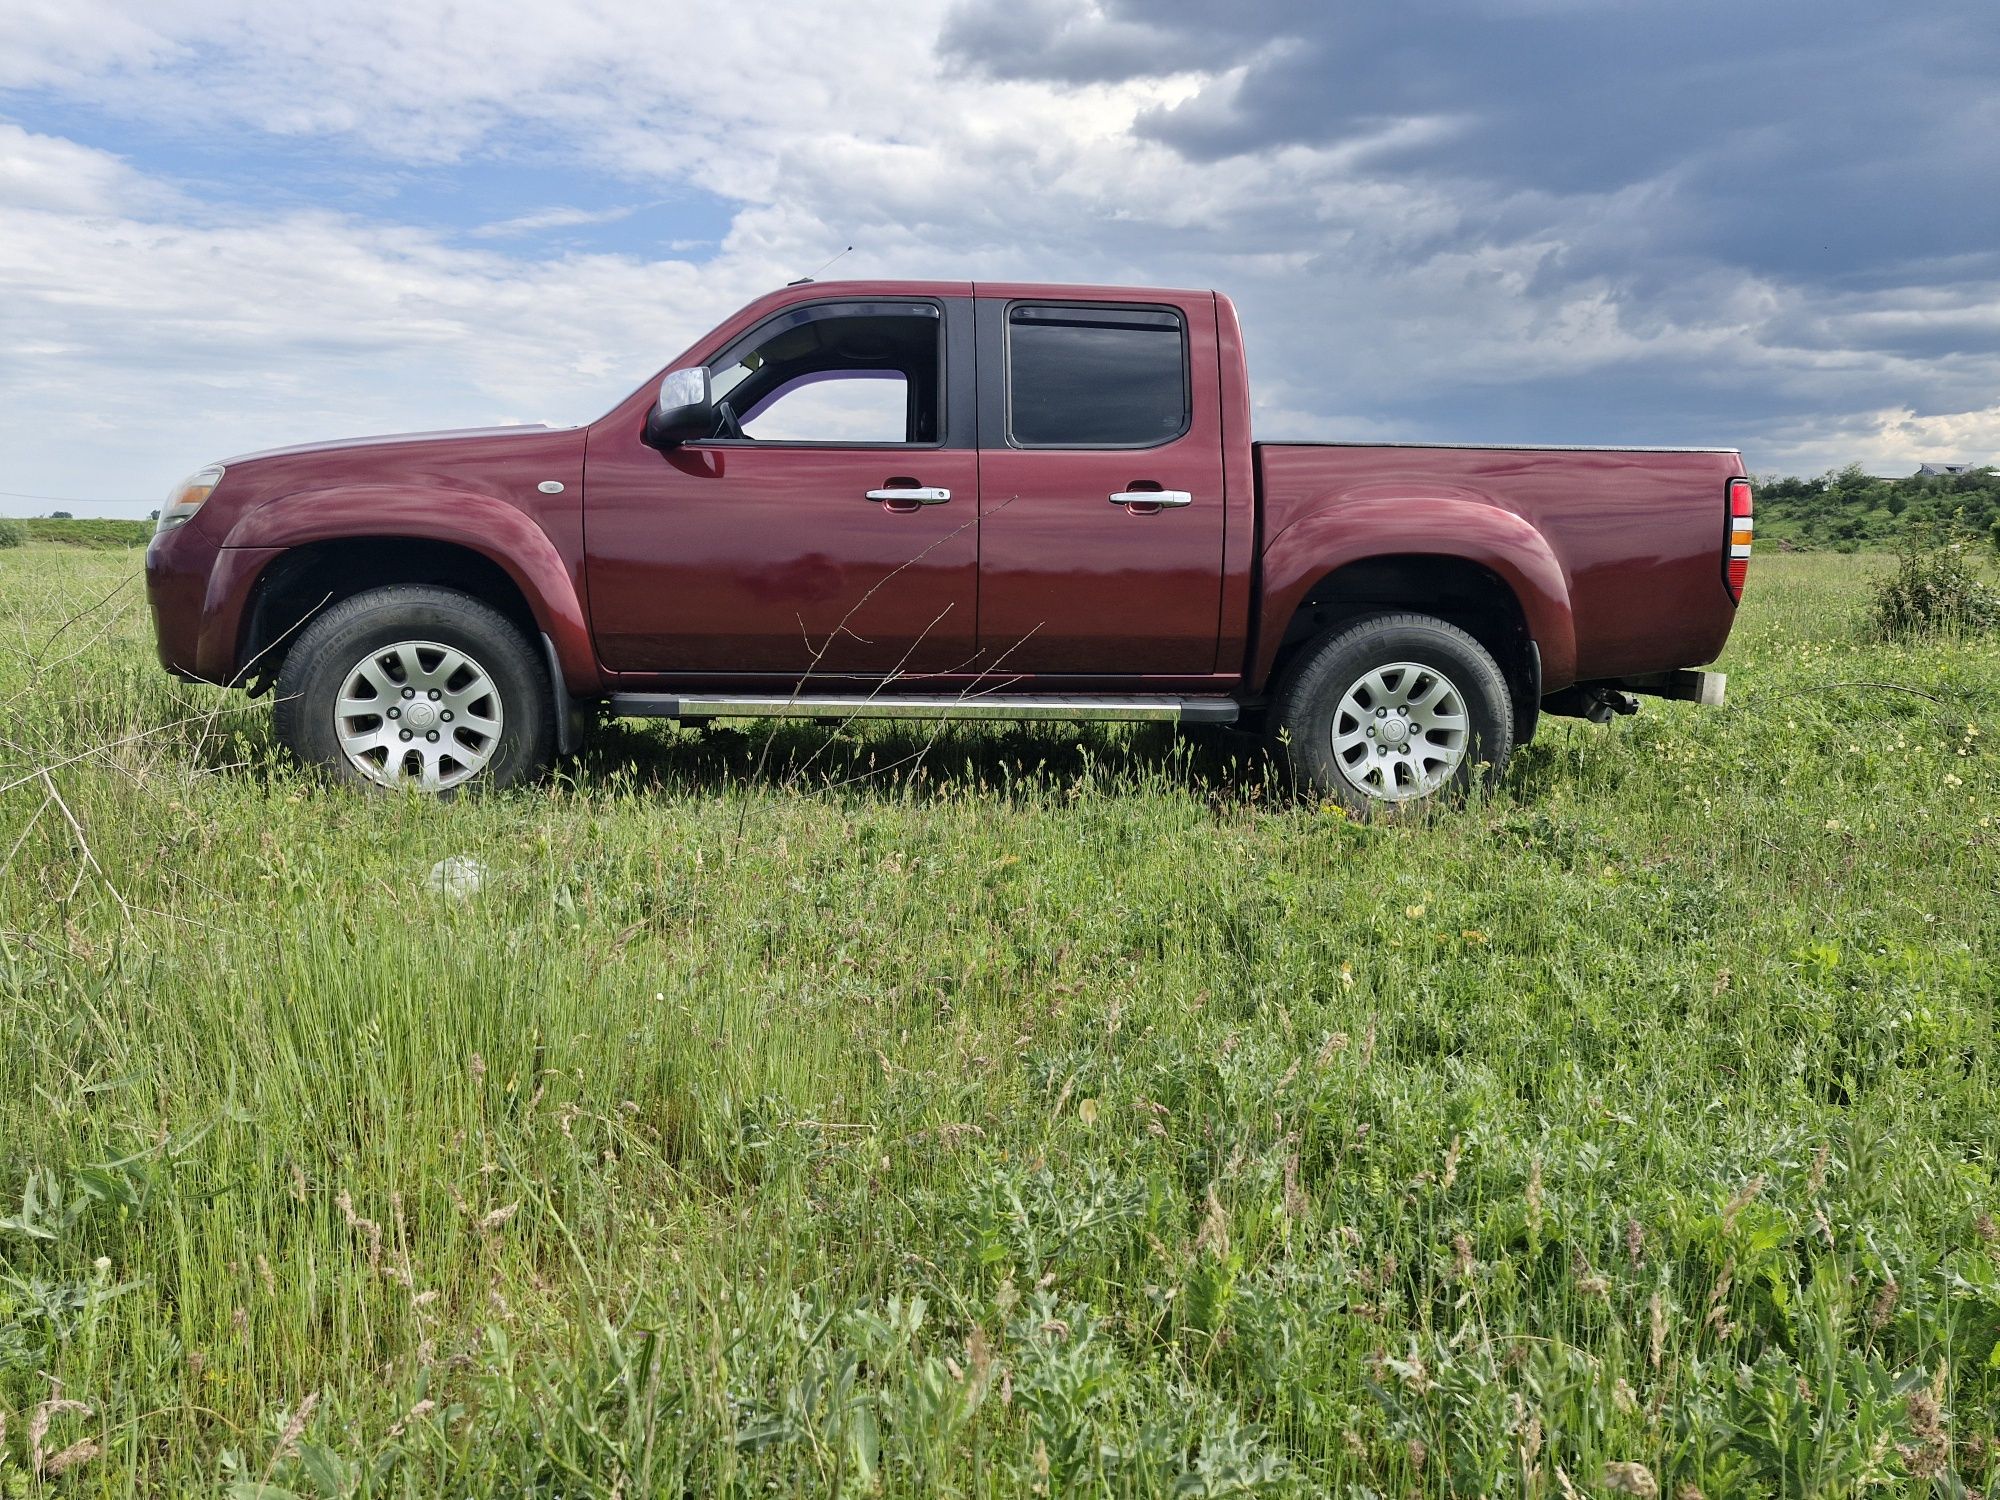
(1736, 556)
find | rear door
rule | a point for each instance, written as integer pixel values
(1088, 409)
(783, 545)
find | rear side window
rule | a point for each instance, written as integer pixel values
(1095, 377)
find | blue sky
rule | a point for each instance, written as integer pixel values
(224, 227)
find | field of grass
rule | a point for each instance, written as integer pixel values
(1016, 1112)
(101, 536)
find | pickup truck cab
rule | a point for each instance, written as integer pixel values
(875, 499)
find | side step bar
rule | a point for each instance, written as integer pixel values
(906, 706)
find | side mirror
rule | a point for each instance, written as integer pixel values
(684, 411)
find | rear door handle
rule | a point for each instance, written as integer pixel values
(1160, 498)
(920, 494)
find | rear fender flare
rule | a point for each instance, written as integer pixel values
(502, 534)
(1357, 526)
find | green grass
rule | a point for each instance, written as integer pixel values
(1023, 1109)
(96, 536)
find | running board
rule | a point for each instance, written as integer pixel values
(904, 706)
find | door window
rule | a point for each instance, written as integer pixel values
(866, 373)
(1095, 377)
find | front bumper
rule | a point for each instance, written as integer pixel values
(178, 564)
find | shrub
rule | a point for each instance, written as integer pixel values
(11, 534)
(1936, 586)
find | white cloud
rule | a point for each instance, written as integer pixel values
(146, 331)
(549, 218)
(49, 173)
(1890, 441)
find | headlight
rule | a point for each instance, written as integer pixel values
(188, 495)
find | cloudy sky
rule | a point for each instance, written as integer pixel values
(1774, 225)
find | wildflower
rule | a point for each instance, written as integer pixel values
(1588, 1281)
(1631, 1479)
(1529, 1426)
(1741, 1201)
(1295, 1198)
(288, 1440)
(70, 1457)
(1718, 1299)
(38, 1424)
(368, 1227)
(1929, 1454)
(416, 1413)
(1885, 1305)
(1214, 1233)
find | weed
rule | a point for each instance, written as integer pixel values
(1935, 587)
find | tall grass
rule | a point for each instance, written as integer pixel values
(1004, 1110)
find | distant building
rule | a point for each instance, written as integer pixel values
(1943, 471)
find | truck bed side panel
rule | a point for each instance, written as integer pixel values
(1637, 534)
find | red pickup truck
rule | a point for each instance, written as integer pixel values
(921, 499)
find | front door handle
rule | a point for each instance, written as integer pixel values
(1161, 499)
(917, 493)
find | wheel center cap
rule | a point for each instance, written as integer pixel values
(421, 715)
(1395, 730)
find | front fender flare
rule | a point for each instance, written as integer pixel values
(1354, 528)
(501, 533)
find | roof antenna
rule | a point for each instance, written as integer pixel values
(808, 280)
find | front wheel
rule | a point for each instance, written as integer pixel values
(1393, 710)
(416, 687)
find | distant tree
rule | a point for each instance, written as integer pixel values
(152, 515)
(1849, 509)
(61, 515)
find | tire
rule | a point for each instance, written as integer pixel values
(464, 700)
(1443, 714)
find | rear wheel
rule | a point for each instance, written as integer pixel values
(416, 687)
(1392, 711)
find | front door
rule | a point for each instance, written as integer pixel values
(826, 531)
(1088, 410)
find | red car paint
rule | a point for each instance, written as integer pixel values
(718, 565)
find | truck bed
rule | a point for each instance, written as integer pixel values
(1638, 534)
